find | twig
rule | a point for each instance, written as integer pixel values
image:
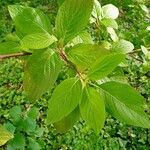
(137, 59)
(138, 50)
(72, 65)
(14, 55)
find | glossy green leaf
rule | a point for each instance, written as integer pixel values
(29, 20)
(105, 65)
(9, 48)
(73, 16)
(38, 40)
(125, 104)
(67, 122)
(108, 22)
(41, 72)
(64, 100)
(4, 135)
(123, 46)
(92, 109)
(83, 55)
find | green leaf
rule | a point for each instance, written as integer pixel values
(123, 46)
(60, 2)
(64, 100)
(106, 45)
(29, 20)
(144, 8)
(10, 127)
(39, 131)
(15, 112)
(33, 144)
(125, 104)
(92, 109)
(83, 55)
(12, 37)
(38, 40)
(33, 113)
(145, 51)
(29, 125)
(67, 122)
(97, 12)
(146, 40)
(117, 75)
(9, 48)
(108, 22)
(86, 37)
(113, 34)
(83, 37)
(146, 66)
(4, 135)
(73, 16)
(18, 142)
(41, 72)
(105, 65)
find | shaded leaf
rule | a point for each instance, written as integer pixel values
(33, 113)
(67, 122)
(146, 40)
(9, 48)
(41, 72)
(18, 142)
(33, 144)
(29, 125)
(60, 2)
(15, 112)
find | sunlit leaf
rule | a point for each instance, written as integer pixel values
(4, 135)
(64, 100)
